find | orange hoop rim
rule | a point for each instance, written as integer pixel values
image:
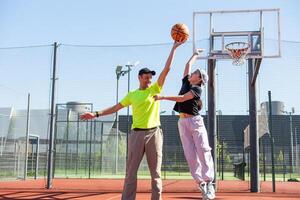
(245, 46)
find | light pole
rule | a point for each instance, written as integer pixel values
(119, 73)
(129, 66)
(291, 137)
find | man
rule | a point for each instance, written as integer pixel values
(146, 135)
(191, 127)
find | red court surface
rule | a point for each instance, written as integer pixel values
(107, 189)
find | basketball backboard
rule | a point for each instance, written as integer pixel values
(213, 30)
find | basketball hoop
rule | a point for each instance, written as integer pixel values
(238, 52)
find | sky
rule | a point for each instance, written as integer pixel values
(132, 22)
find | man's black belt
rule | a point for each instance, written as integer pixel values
(145, 129)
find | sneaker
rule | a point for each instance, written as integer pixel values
(210, 192)
(203, 190)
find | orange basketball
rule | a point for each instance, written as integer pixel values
(180, 32)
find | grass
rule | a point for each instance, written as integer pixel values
(142, 174)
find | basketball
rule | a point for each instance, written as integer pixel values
(180, 32)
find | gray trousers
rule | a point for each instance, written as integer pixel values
(140, 142)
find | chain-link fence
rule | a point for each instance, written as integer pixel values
(86, 73)
(24, 71)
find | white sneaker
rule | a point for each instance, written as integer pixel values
(203, 190)
(210, 192)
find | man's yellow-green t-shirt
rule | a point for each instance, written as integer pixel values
(145, 110)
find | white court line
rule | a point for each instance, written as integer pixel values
(114, 197)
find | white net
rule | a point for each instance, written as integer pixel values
(238, 52)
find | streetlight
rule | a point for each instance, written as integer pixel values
(129, 66)
(119, 73)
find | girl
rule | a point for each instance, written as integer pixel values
(192, 131)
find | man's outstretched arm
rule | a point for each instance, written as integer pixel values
(107, 111)
(165, 71)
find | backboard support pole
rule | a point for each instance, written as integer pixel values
(254, 147)
(212, 126)
(257, 64)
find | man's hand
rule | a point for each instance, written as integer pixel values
(87, 116)
(157, 97)
(177, 44)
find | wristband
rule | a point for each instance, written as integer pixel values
(97, 114)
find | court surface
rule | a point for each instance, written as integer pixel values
(108, 189)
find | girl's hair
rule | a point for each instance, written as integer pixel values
(200, 104)
(200, 76)
(200, 84)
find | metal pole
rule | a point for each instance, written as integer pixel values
(86, 146)
(101, 147)
(77, 145)
(292, 141)
(55, 144)
(279, 33)
(238, 11)
(212, 111)
(90, 149)
(248, 160)
(244, 161)
(128, 89)
(27, 136)
(15, 158)
(272, 142)
(219, 160)
(67, 142)
(264, 158)
(194, 31)
(218, 140)
(94, 149)
(283, 163)
(297, 151)
(32, 154)
(37, 158)
(222, 160)
(52, 120)
(254, 147)
(117, 128)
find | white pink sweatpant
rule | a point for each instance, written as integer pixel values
(196, 148)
